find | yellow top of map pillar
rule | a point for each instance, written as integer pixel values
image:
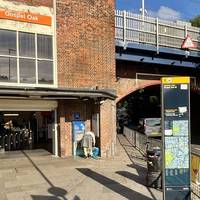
(175, 80)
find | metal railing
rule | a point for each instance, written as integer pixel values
(138, 140)
(130, 27)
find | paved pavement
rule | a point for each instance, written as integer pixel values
(37, 175)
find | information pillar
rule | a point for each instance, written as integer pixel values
(176, 138)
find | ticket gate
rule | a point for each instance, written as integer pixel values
(15, 139)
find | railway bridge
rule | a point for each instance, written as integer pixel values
(147, 49)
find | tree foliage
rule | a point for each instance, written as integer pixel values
(196, 21)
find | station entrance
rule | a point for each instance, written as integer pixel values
(26, 127)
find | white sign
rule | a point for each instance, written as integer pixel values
(188, 43)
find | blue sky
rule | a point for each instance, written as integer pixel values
(166, 9)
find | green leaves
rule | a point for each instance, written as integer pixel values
(196, 21)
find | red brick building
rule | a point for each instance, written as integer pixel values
(58, 69)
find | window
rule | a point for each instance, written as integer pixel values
(27, 71)
(8, 69)
(21, 60)
(45, 72)
(26, 44)
(44, 46)
(8, 42)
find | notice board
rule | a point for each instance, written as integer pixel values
(176, 137)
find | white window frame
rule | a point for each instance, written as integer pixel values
(37, 84)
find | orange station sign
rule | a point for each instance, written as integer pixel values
(25, 17)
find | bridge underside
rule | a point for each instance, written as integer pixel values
(149, 54)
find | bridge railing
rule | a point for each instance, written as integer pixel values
(130, 27)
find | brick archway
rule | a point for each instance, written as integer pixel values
(126, 86)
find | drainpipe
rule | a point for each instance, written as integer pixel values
(55, 44)
(55, 77)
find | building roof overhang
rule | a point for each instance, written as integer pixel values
(56, 93)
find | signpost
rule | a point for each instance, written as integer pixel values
(176, 138)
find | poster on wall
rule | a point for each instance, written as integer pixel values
(78, 129)
(176, 137)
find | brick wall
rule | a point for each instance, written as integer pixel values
(85, 41)
(126, 86)
(66, 108)
(108, 128)
(86, 58)
(86, 109)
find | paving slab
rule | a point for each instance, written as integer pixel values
(36, 174)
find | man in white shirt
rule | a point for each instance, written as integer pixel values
(88, 142)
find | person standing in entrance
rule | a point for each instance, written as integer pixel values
(88, 142)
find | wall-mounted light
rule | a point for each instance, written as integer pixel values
(101, 102)
(85, 99)
(11, 114)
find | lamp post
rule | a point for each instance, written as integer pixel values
(143, 10)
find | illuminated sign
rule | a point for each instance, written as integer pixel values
(25, 17)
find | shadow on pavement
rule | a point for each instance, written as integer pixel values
(140, 168)
(41, 197)
(138, 179)
(56, 192)
(113, 185)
